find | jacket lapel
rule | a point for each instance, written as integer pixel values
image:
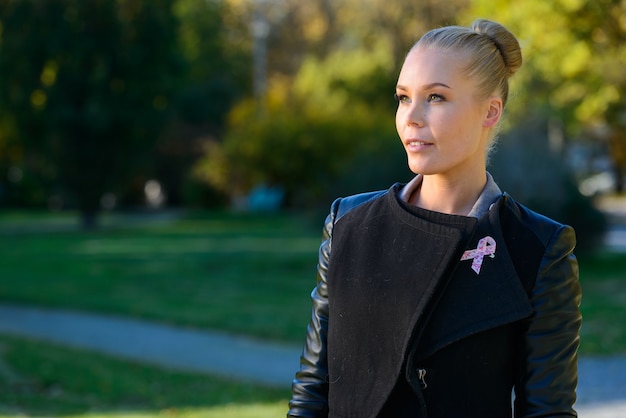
(484, 292)
(381, 282)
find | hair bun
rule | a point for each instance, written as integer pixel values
(504, 40)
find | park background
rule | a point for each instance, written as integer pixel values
(173, 160)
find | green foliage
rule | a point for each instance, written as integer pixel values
(574, 54)
(101, 96)
(217, 72)
(307, 133)
(88, 86)
(326, 126)
(571, 47)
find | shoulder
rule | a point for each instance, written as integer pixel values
(344, 205)
(520, 218)
(534, 241)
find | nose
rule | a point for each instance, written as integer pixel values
(414, 114)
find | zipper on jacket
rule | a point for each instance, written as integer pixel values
(421, 376)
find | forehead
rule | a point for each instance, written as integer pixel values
(427, 65)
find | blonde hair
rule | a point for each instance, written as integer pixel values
(493, 52)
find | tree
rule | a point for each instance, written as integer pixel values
(310, 129)
(575, 53)
(328, 117)
(217, 75)
(87, 87)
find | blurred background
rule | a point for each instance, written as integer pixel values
(156, 156)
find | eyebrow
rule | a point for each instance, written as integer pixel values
(427, 86)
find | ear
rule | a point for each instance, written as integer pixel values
(494, 112)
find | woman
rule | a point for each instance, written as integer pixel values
(441, 297)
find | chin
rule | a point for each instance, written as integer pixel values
(419, 168)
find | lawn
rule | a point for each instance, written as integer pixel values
(244, 274)
(39, 379)
(603, 281)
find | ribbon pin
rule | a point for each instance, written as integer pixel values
(486, 246)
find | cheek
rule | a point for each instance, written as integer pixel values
(455, 123)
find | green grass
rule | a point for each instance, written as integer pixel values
(38, 379)
(235, 273)
(603, 281)
(243, 274)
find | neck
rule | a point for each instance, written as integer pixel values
(455, 197)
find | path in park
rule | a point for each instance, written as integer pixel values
(601, 392)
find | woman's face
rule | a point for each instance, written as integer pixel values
(443, 125)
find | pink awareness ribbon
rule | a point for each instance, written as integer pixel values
(486, 246)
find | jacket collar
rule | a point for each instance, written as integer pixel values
(491, 192)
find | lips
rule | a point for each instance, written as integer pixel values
(416, 145)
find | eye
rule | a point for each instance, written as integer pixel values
(402, 98)
(433, 97)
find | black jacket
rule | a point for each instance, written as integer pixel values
(450, 345)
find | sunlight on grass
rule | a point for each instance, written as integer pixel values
(40, 379)
(258, 410)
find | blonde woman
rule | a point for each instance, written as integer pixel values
(442, 297)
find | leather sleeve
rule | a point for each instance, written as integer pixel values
(551, 334)
(310, 387)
